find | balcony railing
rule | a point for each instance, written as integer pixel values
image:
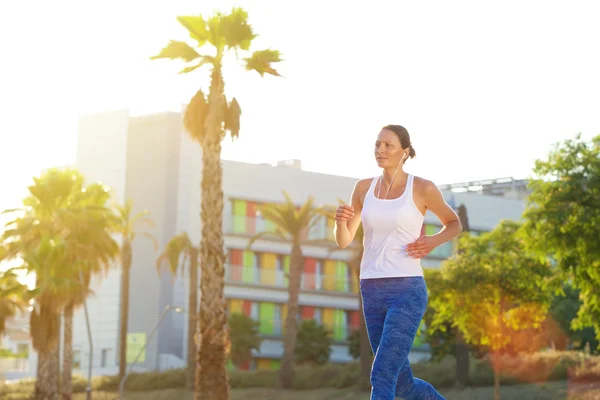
(278, 278)
(276, 328)
(244, 225)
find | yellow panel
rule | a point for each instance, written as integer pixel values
(268, 266)
(355, 282)
(235, 306)
(329, 275)
(263, 364)
(328, 318)
(284, 310)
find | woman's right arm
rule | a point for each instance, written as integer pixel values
(347, 217)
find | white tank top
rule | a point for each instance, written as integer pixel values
(389, 225)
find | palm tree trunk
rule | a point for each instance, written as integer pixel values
(125, 276)
(211, 374)
(67, 373)
(192, 311)
(46, 384)
(286, 373)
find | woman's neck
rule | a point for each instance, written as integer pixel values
(399, 179)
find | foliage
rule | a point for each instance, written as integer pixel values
(354, 343)
(314, 342)
(494, 288)
(563, 220)
(244, 337)
(14, 297)
(564, 310)
(441, 337)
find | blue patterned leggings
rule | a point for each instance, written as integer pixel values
(393, 310)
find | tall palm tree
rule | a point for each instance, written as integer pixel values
(60, 235)
(91, 250)
(292, 224)
(181, 245)
(127, 225)
(208, 119)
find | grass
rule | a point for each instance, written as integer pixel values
(558, 390)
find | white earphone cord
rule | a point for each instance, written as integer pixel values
(391, 181)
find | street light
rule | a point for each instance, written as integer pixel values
(162, 316)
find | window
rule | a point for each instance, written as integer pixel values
(77, 359)
(105, 358)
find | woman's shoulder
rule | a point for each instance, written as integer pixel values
(423, 185)
(362, 185)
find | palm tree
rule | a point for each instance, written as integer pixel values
(91, 249)
(127, 225)
(208, 120)
(293, 224)
(176, 247)
(14, 297)
(60, 236)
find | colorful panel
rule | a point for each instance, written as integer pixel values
(239, 207)
(431, 230)
(263, 364)
(236, 261)
(269, 226)
(248, 274)
(354, 318)
(251, 209)
(235, 306)
(310, 273)
(354, 279)
(328, 318)
(247, 308)
(286, 269)
(329, 268)
(307, 312)
(340, 330)
(267, 318)
(268, 265)
(341, 276)
(239, 223)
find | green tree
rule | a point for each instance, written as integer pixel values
(291, 224)
(128, 225)
(564, 310)
(63, 237)
(313, 345)
(207, 119)
(494, 290)
(441, 336)
(244, 337)
(563, 220)
(181, 246)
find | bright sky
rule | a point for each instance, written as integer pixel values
(484, 88)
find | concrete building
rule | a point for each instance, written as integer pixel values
(150, 160)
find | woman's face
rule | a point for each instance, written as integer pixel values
(388, 150)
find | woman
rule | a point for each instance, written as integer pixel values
(392, 209)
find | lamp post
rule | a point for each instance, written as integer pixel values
(88, 389)
(128, 370)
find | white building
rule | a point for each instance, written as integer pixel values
(150, 160)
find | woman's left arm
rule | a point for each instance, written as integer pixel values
(434, 201)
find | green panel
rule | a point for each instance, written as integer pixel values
(239, 207)
(339, 325)
(275, 364)
(239, 223)
(267, 318)
(249, 270)
(341, 275)
(286, 269)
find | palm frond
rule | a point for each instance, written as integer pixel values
(177, 50)
(194, 116)
(261, 61)
(233, 114)
(196, 26)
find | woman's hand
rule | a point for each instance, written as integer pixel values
(421, 247)
(344, 213)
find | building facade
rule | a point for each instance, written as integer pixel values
(151, 161)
